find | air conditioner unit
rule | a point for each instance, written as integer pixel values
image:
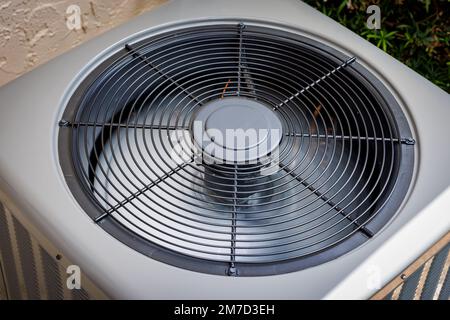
(116, 157)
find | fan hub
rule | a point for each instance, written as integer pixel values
(236, 130)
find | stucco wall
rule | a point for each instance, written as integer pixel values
(32, 31)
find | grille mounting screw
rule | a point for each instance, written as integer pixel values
(410, 141)
(64, 123)
(232, 271)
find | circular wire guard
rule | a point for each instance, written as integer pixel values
(342, 168)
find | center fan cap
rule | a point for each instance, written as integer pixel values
(236, 130)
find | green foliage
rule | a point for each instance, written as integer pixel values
(416, 32)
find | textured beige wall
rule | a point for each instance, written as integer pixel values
(32, 31)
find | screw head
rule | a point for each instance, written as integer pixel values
(232, 271)
(64, 123)
(403, 276)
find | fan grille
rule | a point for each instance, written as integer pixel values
(345, 148)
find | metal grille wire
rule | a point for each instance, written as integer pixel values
(338, 158)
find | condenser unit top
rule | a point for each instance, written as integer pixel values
(111, 169)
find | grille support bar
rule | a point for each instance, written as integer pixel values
(409, 141)
(330, 202)
(232, 271)
(165, 75)
(241, 34)
(64, 123)
(343, 65)
(141, 191)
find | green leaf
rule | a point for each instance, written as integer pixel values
(418, 32)
(427, 5)
(391, 34)
(341, 6)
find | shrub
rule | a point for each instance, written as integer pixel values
(415, 32)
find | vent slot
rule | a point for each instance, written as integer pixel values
(27, 260)
(3, 292)
(8, 261)
(27, 268)
(81, 294)
(52, 274)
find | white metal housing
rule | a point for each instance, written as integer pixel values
(33, 188)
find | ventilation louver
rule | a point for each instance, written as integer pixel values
(333, 176)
